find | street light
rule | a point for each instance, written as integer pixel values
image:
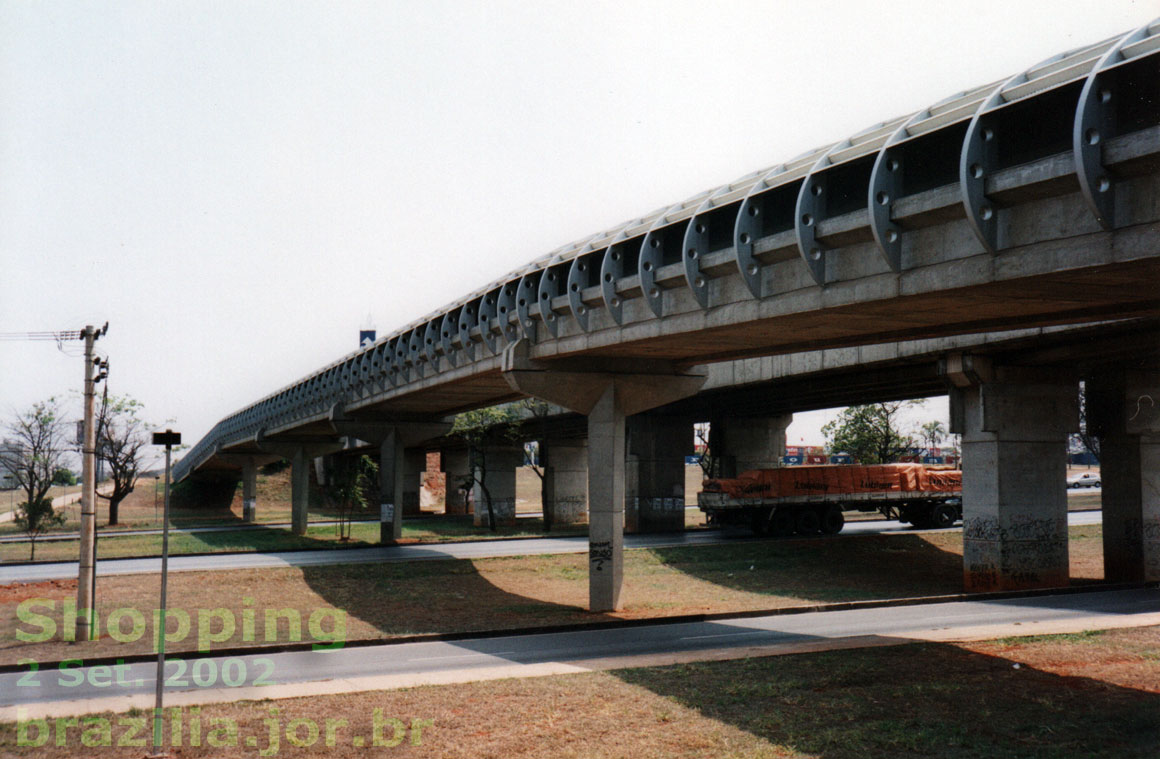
(169, 438)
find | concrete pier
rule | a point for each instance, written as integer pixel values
(1014, 482)
(499, 463)
(1122, 409)
(655, 472)
(566, 482)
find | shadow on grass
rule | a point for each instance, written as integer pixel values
(914, 700)
(441, 596)
(825, 569)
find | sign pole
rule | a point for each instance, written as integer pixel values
(169, 438)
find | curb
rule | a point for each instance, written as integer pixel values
(607, 625)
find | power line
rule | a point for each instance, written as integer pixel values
(57, 336)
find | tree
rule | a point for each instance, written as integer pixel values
(932, 433)
(1085, 437)
(64, 476)
(478, 428)
(36, 519)
(539, 411)
(35, 449)
(869, 433)
(121, 443)
(347, 489)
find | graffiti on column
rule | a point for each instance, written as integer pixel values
(599, 553)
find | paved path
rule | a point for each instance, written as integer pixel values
(58, 502)
(478, 549)
(306, 673)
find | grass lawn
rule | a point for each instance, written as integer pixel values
(1090, 695)
(395, 599)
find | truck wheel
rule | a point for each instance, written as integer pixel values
(832, 521)
(943, 515)
(808, 522)
(760, 522)
(782, 524)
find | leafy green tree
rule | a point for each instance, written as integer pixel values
(869, 433)
(479, 428)
(64, 476)
(34, 449)
(348, 489)
(932, 433)
(35, 519)
(121, 443)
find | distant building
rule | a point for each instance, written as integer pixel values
(9, 450)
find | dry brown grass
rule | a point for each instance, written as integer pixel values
(1069, 696)
(394, 599)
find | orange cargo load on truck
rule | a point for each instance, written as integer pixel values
(837, 479)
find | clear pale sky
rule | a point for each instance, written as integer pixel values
(236, 186)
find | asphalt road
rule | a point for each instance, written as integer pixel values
(466, 550)
(370, 667)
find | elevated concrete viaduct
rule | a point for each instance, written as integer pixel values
(1029, 202)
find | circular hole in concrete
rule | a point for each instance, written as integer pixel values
(699, 282)
(977, 170)
(752, 269)
(654, 293)
(647, 266)
(1105, 96)
(744, 238)
(807, 219)
(607, 277)
(1092, 136)
(891, 235)
(816, 189)
(702, 229)
(816, 254)
(753, 211)
(882, 198)
(654, 243)
(986, 213)
(692, 253)
(1103, 184)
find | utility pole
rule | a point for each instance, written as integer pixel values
(169, 438)
(86, 579)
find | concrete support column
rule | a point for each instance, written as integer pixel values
(414, 465)
(392, 437)
(606, 448)
(655, 472)
(300, 465)
(456, 466)
(1014, 482)
(605, 392)
(1122, 410)
(497, 466)
(249, 490)
(741, 444)
(566, 482)
(392, 468)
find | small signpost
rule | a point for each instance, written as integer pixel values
(169, 438)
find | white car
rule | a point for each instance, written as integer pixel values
(1085, 480)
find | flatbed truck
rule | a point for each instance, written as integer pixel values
(810, 500)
